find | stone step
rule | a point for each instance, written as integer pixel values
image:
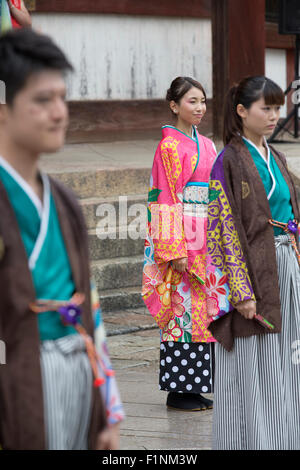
(126, 321)
(118, 243)
(105, 182)
(120, 299)
(123, 209)
(117, 273)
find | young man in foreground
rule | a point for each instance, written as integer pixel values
(48, 396)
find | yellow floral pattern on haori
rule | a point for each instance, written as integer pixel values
(171, 162)
(225, 249)
(167, 231)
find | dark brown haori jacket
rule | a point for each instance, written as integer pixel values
(22, 425)
(256, 235)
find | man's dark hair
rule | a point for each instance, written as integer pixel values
(24, 52)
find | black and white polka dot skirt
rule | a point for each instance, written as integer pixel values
(186, 367)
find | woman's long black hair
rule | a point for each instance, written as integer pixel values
(249, 90)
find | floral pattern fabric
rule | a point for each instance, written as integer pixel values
(177, 223)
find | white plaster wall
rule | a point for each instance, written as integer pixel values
(275, 68)
(130, 57)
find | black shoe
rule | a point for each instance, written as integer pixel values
(185, 402)
(206, 401)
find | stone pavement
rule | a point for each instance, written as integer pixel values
(149, 424)
(133, 339)
(133, 344)
(104, 155)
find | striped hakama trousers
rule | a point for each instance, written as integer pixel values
(257, 384)
(67, 391)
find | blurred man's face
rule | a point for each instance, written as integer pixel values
(38, 118)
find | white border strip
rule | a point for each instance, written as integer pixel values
(43, 210)
(267, 162)
(44, 224)
(24, 185)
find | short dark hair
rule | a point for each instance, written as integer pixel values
(180, 86)
(246, 92)
(24, 52)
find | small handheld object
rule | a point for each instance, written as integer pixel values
(264, 322)
(199, 279)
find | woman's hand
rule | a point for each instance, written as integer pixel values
(247, 309)
(180, 264)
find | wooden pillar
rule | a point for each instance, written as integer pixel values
(238, 32)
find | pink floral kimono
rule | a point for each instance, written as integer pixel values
(177, 224)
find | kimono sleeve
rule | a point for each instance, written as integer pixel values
(165, 207)
(228, 281)
(110, 393)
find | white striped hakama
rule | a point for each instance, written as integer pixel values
(257, 384)
(67, 390)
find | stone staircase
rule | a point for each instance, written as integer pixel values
(116, 256)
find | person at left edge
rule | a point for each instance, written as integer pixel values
(47, 398)
(20, 16)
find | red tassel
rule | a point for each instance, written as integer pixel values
(98, 382)
(110, 373)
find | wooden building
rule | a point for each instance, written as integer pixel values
(126, 52)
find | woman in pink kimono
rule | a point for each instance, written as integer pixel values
(174, 279)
